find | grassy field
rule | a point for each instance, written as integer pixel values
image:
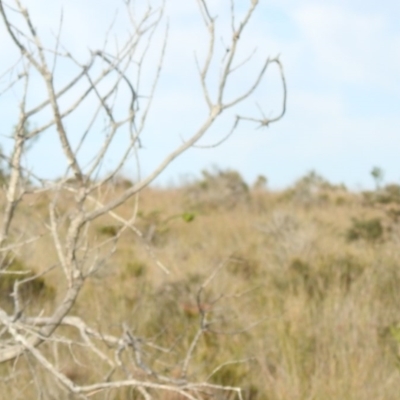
(304, 303)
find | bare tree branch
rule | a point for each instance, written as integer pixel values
(111, 93)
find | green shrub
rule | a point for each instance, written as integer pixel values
(188, 216)
(135, 269)
(217, 189)
(312, 189)
(230, 375)
(14, 270)
(387, 195)
(367, 229)
(393, 213)
(303, 277)
(318, 277)
(260, 183)
(108, 230)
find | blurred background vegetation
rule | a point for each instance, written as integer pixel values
(306, 305)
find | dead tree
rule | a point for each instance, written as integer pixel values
(105, 81)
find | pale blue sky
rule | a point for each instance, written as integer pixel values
(342, 64)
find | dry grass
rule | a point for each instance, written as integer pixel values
(325, 308)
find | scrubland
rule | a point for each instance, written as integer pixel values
(300, 290)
